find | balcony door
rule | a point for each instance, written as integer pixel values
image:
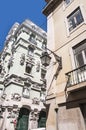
(80, 61)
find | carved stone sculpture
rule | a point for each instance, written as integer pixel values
(36, 101)
(16, 97)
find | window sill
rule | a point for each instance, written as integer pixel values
(76, 28)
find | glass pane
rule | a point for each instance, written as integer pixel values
(79, 17)
(79, 60)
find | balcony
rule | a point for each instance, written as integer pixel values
(76, 79)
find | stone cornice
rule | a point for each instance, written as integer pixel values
(51, 6)
(20, 80)
(36, 30)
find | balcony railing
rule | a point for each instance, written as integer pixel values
(76, 76)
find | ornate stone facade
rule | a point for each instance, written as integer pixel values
(20, 78)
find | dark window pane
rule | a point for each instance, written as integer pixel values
(79, 60)
(79, 17)
(28, 68)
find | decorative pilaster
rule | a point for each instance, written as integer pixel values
(34, 116)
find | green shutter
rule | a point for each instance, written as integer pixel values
(42, 122)
(22, 123)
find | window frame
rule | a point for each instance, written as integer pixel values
(30, 68)
(81, 49)
(75, 19)
(30, 51)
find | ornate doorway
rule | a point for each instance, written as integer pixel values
(23, 119)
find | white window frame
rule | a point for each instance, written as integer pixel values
(73, 15)
(82, 52)
(84, 22)
(72, 54)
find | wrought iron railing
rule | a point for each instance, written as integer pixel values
(76, 76)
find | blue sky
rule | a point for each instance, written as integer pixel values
(12, 11)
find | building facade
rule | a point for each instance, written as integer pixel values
(66, 99)
(22, 78)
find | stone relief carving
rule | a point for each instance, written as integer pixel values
(13, 113)
(18, 79)
(16, 97)
(13, 78)
(35, 101)
(6, 81)
(4, 96)
(34, 116)
(22, 59)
